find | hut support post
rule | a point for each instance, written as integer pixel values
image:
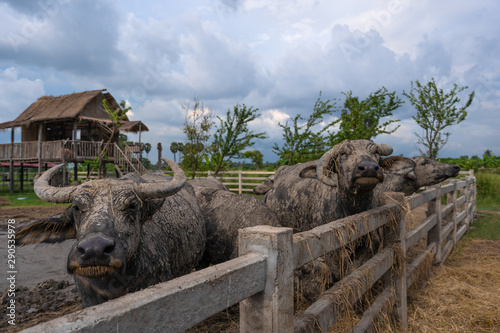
(40, 148)
(21, 178)
(11, 166)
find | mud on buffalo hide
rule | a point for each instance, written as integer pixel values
(226, 212)
(339, 184)
(131, 232)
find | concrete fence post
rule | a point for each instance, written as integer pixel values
(434, 235)
(271, 310)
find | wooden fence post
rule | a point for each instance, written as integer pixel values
(240, 185)
(397, 238)
(271, 310)
(434, 235)
(451, 198)
(466, 205)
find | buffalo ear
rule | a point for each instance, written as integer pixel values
(399, 165)
(309, 172)
(53, 229)
(151, 206)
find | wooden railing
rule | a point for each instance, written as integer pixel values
(261, 278)
(128, 162)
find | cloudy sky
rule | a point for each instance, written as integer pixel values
(274, 55)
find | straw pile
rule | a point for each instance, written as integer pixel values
(463, 295)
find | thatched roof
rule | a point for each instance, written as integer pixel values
(82, 106)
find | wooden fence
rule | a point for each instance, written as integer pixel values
(241, 181)
(261, 278)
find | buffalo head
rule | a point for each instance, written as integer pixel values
(106, 218)
(430, 172)
(352, 164)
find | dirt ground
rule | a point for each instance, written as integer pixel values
(43, 288)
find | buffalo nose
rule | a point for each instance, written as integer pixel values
(95, 248)
(368, 169)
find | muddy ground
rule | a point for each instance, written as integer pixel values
(43, 288)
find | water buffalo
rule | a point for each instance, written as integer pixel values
(407, 175)
(226, 212)
(350, 171)
(401, 174)
(130, 233)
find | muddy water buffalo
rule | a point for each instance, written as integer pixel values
(351, 172)
(407, 175)
(401, 174)
(131, 232)
(226, 212)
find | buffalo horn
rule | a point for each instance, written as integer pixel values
(165, 188)
(50, 193)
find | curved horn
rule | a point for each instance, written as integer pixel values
(163, 189)
(389, 161)
(384, 150)
(326, 165)
(50, 193)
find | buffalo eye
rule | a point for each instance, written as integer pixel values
(77, 208)
(130, 206)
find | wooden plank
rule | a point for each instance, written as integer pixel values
(159, 308)
(419, 199)
(461, 216)
(328, 308)
(461, 231)
(447, 188)
(412, 272)
(461, 200)
(461, 184)
(445, 232)
(447, 209)
(378, 309)
(417, 233)
(317, 242)
(447, 250)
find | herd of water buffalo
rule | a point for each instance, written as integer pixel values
(137, 231)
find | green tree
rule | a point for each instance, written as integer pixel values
(302, 142)
(174, 148)
(147, 148)
(233, 136)
(436, 110)
(197, 125)
(360, 119)
(256, 157)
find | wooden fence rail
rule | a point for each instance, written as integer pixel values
(261, 279)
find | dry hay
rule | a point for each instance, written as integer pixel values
(463, 295)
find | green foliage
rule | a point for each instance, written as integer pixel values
(147, 148)
(174, 148)
(489, 161)
(197, 125)
(233, 136)
(256, 157)
(436, 110)
(301, 142)
(25, 199)
(488, 190)
(360, 119)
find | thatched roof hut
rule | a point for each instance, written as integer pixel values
(62, 116)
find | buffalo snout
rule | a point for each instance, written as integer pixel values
(367, 172)
(96, 249)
